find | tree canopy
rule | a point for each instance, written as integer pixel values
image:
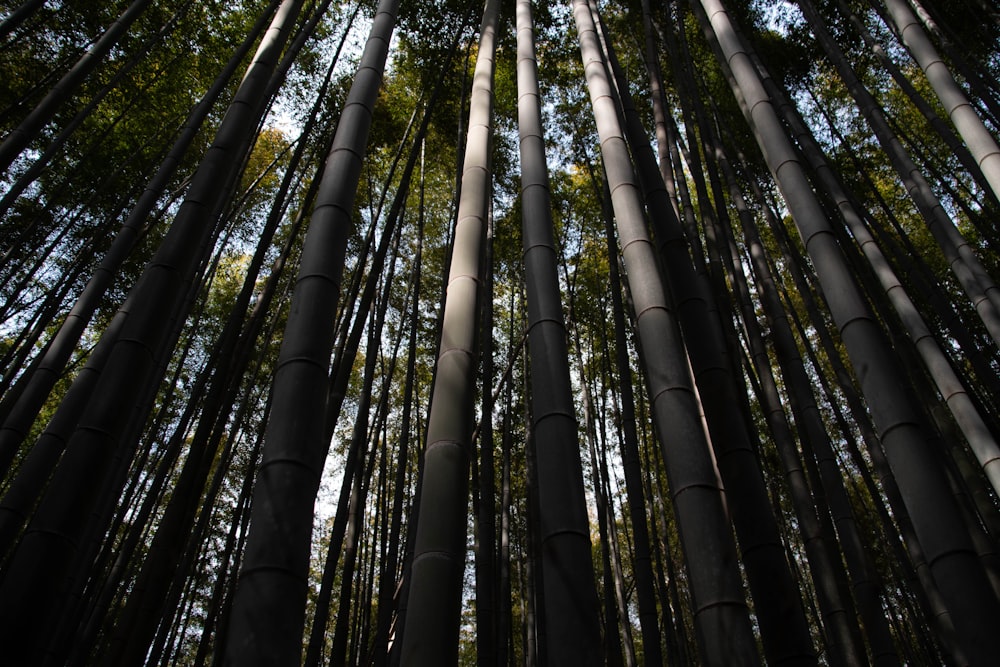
(499, 333)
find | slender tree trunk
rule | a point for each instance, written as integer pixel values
(572, 628)
(645, 594)
(721, 616)
(621, 595)
(532, 621)
(434, 603)
(133, 357)
(979, 140)
(40, 382)
(813, 433)
(486, 515)
(612, 649)
(936, 517)
(505, 637)
(268, 608)
(973, 277)
(388, 578)
(784, 629)
(952, 389)
(659, 102)
(19, 16)
(22, 136)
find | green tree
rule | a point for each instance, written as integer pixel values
(303, 365)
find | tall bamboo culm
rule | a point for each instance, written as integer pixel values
(268, 609)
(435, 597)
(935, 514)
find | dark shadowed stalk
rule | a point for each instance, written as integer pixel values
(268, 609)
(981, 143)
(936, 517)
(962, 259)
(783, 624)
(85, 477)
(29, 128)
(950, 386)
(721, 616)
(570, 598)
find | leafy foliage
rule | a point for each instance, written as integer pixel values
(120, 123)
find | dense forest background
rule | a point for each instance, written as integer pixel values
(526, 333)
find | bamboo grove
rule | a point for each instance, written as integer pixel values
(504, 333)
